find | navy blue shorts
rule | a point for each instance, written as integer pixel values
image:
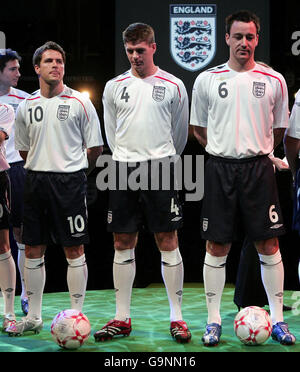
(156, 206)
(240, 195)
(17, 175)
(296, 200)
(4, 201)
(55, 209)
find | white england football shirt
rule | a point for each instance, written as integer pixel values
(294, 123)
(7, 119)
(145, 118)
(13, 98)
(240, 109)
(57, 131)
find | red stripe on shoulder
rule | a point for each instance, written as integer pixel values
(219, 72)
(32, 99)
(13, 95)
(275, 77)
(172, 82)
(77, 99)
(117, 81)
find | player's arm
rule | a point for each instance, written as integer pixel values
(7, 118)
(93, 154)
(3, 136)
(180, 119)
(22, 142)
(292, 136)
(199, 111)
(278, 136)
(200, 134)
(91, 132)
(23, 155)
(110, 117)
(292, 148)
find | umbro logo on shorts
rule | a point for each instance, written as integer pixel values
(79, 235)
(277, 226)
(175, 219)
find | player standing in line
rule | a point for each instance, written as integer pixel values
(240, 111)
(292, 151)
(146, 120)
(7, 263)
(9, 77)
(58, 134)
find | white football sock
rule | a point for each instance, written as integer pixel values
(272, 274)
(21, 263)
(172, 273)
(123, 273)
(35, 277)
(8, 282)
(77, 276)
(214, 276)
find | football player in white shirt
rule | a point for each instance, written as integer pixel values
(240, 112)
(7, 264)
(58, 134)
(146, 120)
(292, 151)
(9, 77)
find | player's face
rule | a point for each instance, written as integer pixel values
(51, 68)
(140, 56)
(242, 41)
(10, 75)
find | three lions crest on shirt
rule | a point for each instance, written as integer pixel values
(63, 112)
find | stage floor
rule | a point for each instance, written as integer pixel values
(150, 322)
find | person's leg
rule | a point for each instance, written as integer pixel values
(123, 275)
(272, 273)
(214, 276)
(172, 271)
(173, 274)
(77, 275)
(7, 275)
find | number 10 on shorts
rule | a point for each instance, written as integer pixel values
(76, 224)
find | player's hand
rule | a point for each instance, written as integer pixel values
(280, 164)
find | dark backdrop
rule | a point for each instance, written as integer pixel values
(87, 31)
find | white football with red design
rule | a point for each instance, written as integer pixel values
(253, 325)
(70, 329)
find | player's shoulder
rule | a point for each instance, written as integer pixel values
(165, 76)
(213, 72)
(297, 98)
(18, 94)
(6, 111)
(267, 70)
(70, 93)
(118, 79)
(216, 71)
(162, 74)
(31, 97)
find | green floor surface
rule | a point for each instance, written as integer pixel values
(150, 322)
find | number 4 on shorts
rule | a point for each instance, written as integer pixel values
(174, 207)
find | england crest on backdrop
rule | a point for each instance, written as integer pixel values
(193, 35)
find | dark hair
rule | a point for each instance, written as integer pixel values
(8, 55)
(49, 45)
(137, 32)
(242, 16)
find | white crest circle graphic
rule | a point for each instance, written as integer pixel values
(193, 35)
